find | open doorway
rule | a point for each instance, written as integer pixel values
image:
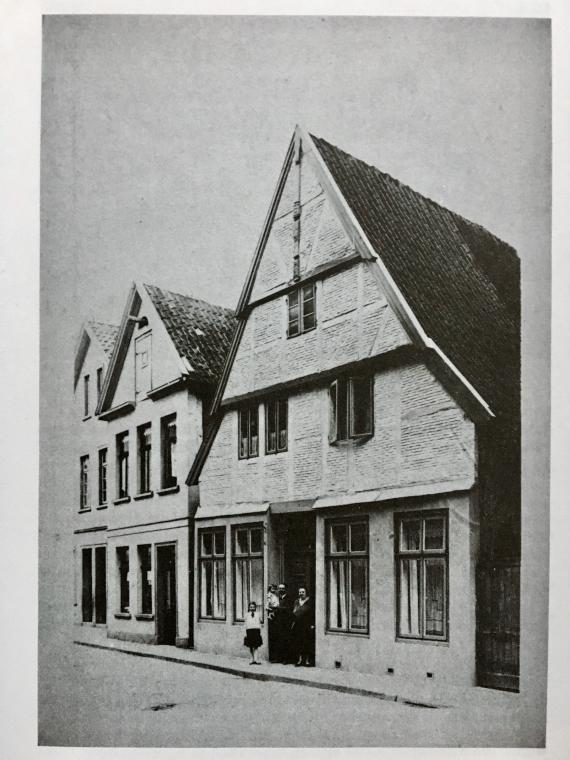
(166, 594)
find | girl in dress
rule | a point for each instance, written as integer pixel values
(252, 639)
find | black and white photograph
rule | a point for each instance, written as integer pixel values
(294, 381)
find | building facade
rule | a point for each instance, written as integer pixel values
(138, 437)
(350, 451)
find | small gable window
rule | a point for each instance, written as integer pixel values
(248, 432)
(142, 365)
(351, 408)
(302, 310)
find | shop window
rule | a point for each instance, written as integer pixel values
(168, 446)
(276, 426)
(102, 477)
(84, 482)
(122, 465)
(247, 568)
(422, 575)
(144, 451)
(123, 578)
(145, 579)
(351, 408)
(302, 310)
(248, 424)
(212, 554)
(347, 575)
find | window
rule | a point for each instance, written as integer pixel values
(99, 382)
(102, 477)
(168, 445)
(94, 584)
(351, 405)
(302, 310)
(84, 482)
(421, 575)
(248, 569)
(122, 465)
(87, 585)
(145, 579)
(347, 575)
(142, 365)
(212, 552)
(276, 426)
(123, 573)
(86, 396)
(144, 447)
(248, 432)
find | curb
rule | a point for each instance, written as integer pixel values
(256, 676)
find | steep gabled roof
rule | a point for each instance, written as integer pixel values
(106, 335)
(460, 281)
(201, 332)
(101, 332)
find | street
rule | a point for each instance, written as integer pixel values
(90, 697)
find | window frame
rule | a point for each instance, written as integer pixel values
(205, 559)
(142, 583)
(84, 500)
(102, 479)
(247, 556)
(122, 455)
(99, 382)
(422, 555)
(343, 429)
(299, 294)
(85, 396)
(249, 410)
(347, 555)
(144, 457)
(123, 561)
(140, 340)
(278, 405)
(168, 478)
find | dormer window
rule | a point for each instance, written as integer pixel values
(302, 310)
(142, 365)
(351, 408)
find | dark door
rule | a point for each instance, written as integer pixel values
(299, 556)
(166, 594)
(100, 584)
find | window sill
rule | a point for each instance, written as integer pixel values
(357, 441)
(81, 510)
(144, 616)
(123, 615)
(304, 332)
(275, 453)
(429, 642)
(145, 495)
(122, 500)
(170, 489)
(212, 620)
(102, 506)
(359, 634)
(87, 417)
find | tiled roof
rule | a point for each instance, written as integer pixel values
(200, 331)
(460, 281)
(106, 335)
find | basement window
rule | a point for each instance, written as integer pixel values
(351, 408)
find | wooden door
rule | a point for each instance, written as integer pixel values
(166, 594)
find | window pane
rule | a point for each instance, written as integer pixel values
(358, 534)
(337, 617)
(434, 533)
(243, 433)
(256, 540)
(87, 586)
(146, 579)
(361, 407)
(253, 432)
(435, 595)
(240, 588)
(256, 583)
(294, 313)
(358, 594)
(219, 588)
(219, 542)
(206, 547)
(410, 531)
(409, 623)
(241, 541)
(282, 424)
(338, 538)
(342, 410)
(271, 422)
(333, 411)
(206, 590)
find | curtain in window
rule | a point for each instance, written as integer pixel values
(219, 589)
(205, 590)
(358, 587)
(337, 598)
(240, 588)
(256, 583)
(409, 597)
(435, 594)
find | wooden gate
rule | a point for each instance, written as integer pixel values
(498, 625)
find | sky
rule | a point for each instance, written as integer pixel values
(162, 139)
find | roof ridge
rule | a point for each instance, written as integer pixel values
(189, 297)
(417, 193)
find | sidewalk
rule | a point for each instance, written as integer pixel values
(429, 695)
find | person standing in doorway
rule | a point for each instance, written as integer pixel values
(252, 639)
(303, 627)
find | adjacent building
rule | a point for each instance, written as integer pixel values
(365, 434)
(141, 394)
